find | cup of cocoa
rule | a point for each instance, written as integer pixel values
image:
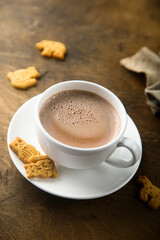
(79, 125)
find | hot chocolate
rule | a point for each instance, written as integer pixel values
(80, 119)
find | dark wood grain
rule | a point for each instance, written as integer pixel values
(97, 34)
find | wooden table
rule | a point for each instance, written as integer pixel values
(97, 34)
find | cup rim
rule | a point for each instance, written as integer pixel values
(100, 148)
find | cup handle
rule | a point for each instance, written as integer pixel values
(133, 147)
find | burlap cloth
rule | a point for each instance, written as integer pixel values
(147, 62)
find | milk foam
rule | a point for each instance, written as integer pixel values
(80, 118)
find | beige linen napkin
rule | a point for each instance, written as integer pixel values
(147, 62)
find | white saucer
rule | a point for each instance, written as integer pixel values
(75, 184)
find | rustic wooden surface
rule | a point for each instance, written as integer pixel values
(97, 34)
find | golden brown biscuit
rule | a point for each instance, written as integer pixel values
(149, 193)
(36, 165)
(52, 49)
(43, 168)
(23, 149)
(24, 78)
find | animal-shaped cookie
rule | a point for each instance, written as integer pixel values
(52, 49)
(23, 149)
(24, 78)
(149, 193)
(37, 165)
(41, 166)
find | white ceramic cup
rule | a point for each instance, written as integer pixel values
(81, 158)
